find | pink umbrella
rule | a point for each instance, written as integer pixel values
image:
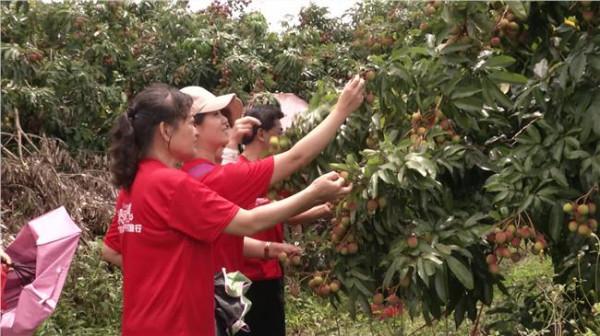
(290, 106)
(41, 256)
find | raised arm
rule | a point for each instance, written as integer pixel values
(305, 150)
(327, 187)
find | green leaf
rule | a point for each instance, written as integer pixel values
(576, 154)
(441, 285)
(557, 150)
(397, 264)
(429, 267)
(360, 275)
(463, 92)
(452, 48)
(594, 61)
(572, 142)
(556, 222)
(526, 203)
(469, 104)
(534, 134)
(488, 293)
(462, 273)
(444, 249)
(577, 66)
(524, 96)
(499, 61)
(594, 111)
(559, 177)
(496, 94)
(501, 196)
(359, 285)
(338, 166)
(460, 310)
(421, 272)
(421, 164)
(519, 8)
(386, 176)
(507, 77)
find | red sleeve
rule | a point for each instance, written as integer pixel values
(251, 179)
(112, 238)
(198, 211)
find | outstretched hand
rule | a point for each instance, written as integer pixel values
(289, 249)
(324, 210)
(331, 186)
(352, 96)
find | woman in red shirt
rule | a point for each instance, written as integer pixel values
(267, 289)
(243, 182)
(168, 221)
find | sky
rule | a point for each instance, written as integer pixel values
(275, 11)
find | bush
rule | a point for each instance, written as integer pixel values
(91, 301)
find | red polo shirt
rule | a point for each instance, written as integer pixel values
(240, 183)
(169, 222)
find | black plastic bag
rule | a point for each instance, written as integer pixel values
(230, 303)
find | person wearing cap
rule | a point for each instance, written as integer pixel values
(243, 182)
(230, 106)
(168, 221)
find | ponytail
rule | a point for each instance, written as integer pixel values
(133, 132)
(124, 153)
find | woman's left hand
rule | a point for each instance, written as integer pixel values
(289, 249)
(5, 257)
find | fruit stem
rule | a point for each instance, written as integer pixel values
(587, 195)
(530, 222)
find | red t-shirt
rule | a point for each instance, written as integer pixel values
(112, 238)
(240, 183)
(264, 269)
(260, 269)
(169, 222)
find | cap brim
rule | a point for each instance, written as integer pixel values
(230, 104)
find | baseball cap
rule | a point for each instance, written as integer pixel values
(205, 102)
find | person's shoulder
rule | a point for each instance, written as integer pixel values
(234, 166)
(269, 160)
(122, 196)
(167, 177)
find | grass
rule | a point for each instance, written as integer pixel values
(309, 315)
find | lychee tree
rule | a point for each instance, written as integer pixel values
(481, 124)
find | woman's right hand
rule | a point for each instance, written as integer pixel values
(242, 127)
(330, 186)
(352, 95)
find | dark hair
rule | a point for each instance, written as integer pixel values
(267, 114)
(199, 118)
(132, 133)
